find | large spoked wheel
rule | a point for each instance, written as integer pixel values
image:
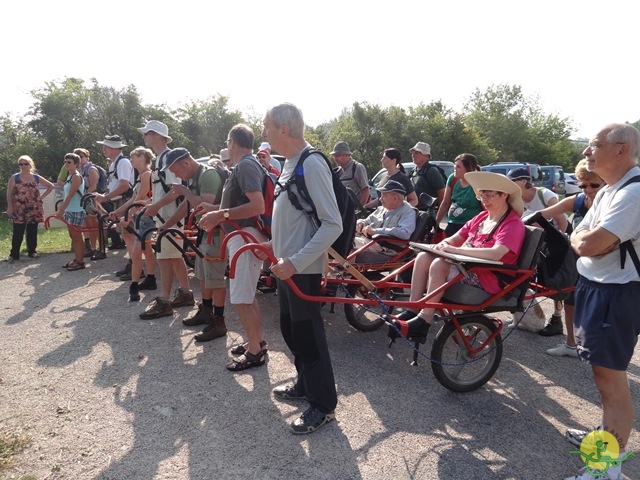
(449, 348)
(365, 318)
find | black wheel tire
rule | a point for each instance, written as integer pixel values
(361, 317)
(448, 349)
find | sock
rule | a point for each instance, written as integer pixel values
(134, 284)
(207, 302)
(151, 276)
(218, 310)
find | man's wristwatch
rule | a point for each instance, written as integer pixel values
(225, 213)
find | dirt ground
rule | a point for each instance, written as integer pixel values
(104, 395)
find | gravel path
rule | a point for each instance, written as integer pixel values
(104, 395)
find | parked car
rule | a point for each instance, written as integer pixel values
(504, 167)
(378, 178)
(571, 184)
(553, 178)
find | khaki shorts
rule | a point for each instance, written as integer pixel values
(168, 250)
(209, 271)
(248, 268)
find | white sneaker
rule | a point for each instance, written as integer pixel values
(584, 475)
(575, 436)
(562, 350)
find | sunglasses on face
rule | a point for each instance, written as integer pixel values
(583, 186)
(23, 164)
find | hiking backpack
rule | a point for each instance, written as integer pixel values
(103, 177)
(268, 192)
(344, 242)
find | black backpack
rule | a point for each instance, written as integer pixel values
(556, 265)
(344, 242)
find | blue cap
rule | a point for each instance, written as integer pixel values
(175, 155)
(393, 186)
(519, 173)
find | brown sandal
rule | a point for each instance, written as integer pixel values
(74, 265)
(248, 360)
(242, 349)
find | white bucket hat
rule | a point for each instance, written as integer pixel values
(158, 127)
(422, 147)
(113, 141)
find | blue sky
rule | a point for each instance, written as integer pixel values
(578, 60)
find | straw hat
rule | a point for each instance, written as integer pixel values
(499, 183)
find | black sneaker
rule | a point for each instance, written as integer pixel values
(289, 392)
(149, 283)
(126, 270)
(310, 421)
(117, 246)
(127, 276)
(98, 255)
(134, 294)
(554, 327)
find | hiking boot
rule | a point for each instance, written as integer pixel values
(126, 270)
(156, 309)
(311, 420)
(183, 298)
(134, 294)
(117, 246)
(554, 327)
(202, 316)
(562, 350)
(288, 392)
(149, 283)
(216, 328)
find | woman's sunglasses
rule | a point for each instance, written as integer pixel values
(583, 186)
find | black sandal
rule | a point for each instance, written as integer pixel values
(241, 349)
(247, 360)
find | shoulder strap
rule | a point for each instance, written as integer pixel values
(627, 246)
(16, 178)
(541, 196)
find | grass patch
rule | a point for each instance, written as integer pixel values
(54, 240)
(10, 445)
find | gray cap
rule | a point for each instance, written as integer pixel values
(341, 148)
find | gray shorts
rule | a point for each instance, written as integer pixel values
(209, 270)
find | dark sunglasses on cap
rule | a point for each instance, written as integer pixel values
(592, 185)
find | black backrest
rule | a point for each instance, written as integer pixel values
(424, 223)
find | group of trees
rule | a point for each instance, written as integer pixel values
(499, 124)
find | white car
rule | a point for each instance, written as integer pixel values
(571, 184)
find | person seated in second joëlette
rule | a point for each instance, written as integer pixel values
(395, 218)
(496, 233)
